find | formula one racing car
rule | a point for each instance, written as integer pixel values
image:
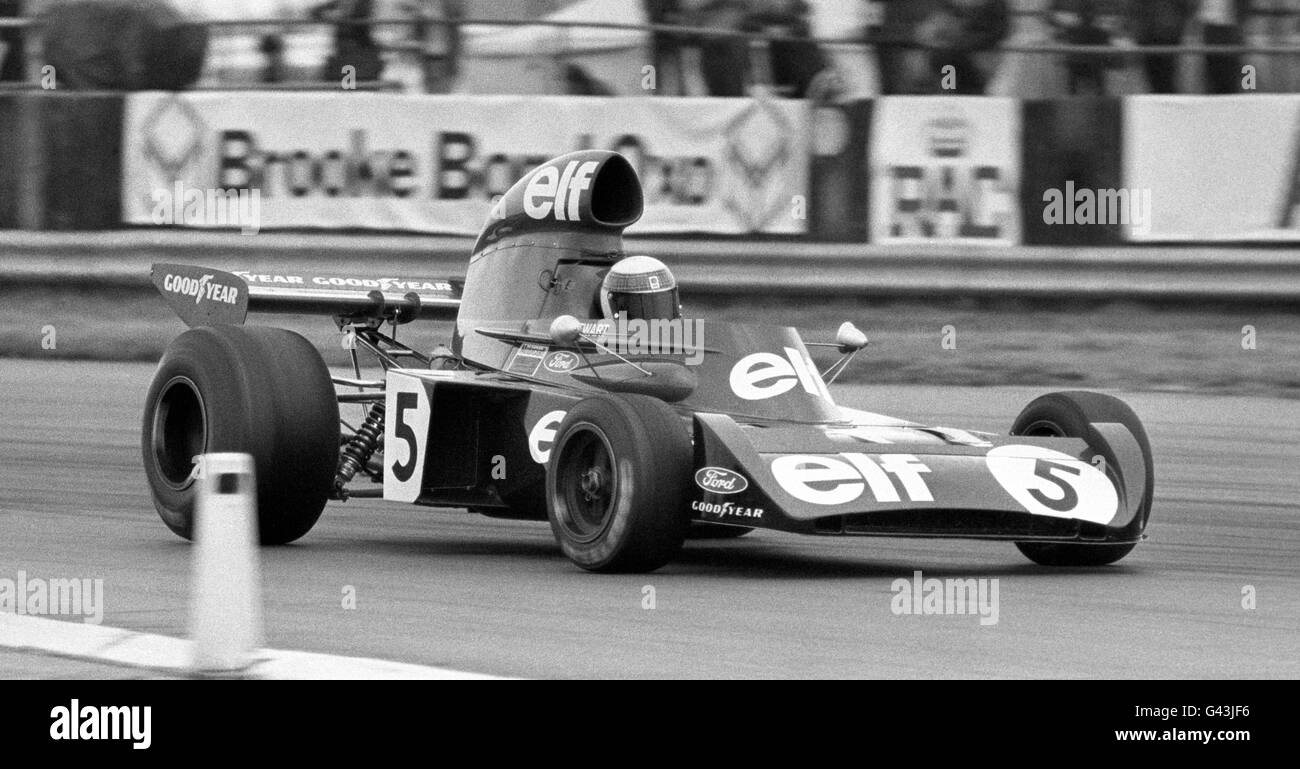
(573, 390)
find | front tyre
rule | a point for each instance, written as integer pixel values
(618, 483)
(259, 391)
(1067, 415)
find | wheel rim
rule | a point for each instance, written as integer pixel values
(586, 483)
(179, 431)
(1043, 428)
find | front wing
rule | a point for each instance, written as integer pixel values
(810, 480)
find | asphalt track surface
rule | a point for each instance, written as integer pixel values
(455, 590)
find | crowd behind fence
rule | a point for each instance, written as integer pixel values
(797, 48)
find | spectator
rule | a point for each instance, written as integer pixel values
(1221, 22)
(1080, 22)
(793, 62)
(963, 33)
(272, 47)
(667, 47)
(439, 43)
(790, 64)
(904, 66)
(12, 54)
(1160, 22)
(425, 54)
(724, 60)
(122, 45)
(353, 44)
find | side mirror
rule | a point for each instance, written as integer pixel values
(849, 338)
(566, 330)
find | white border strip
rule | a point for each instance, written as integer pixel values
(159, 653)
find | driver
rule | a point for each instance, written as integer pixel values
(640, 288)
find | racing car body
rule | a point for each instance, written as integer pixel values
(623, 434)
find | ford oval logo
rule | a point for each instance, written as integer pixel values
(561, 362)
(720, 480)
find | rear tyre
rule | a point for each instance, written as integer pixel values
(259, 391)
(618, 483)
(1067, 415)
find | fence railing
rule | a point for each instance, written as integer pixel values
(685, 31)
(759, 40)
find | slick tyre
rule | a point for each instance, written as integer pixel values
(1068, 414)
(259, 391)
(618, 483)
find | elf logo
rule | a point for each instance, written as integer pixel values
(552, 192)
(767, 375)
(839, 479)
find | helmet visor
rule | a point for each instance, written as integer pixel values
(654, 305)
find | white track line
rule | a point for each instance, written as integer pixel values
(159, 653)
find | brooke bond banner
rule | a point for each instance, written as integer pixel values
(1218, 168)
(945, 170)
(434, 163)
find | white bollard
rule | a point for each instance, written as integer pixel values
(226, 591)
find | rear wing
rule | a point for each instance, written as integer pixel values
(208, 297)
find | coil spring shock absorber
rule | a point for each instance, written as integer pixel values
(359, 448)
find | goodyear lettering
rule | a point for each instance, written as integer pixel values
(726, 509)
(201, 289)
(293, 280)
(383, 284)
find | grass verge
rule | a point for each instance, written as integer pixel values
(941, 342)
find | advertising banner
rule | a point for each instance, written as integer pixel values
(945, 170)
(1073, 147)
(434, 163)
(1216, 168)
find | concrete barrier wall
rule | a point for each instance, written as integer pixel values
(1250, 275)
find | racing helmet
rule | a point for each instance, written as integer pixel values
(640, 287)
